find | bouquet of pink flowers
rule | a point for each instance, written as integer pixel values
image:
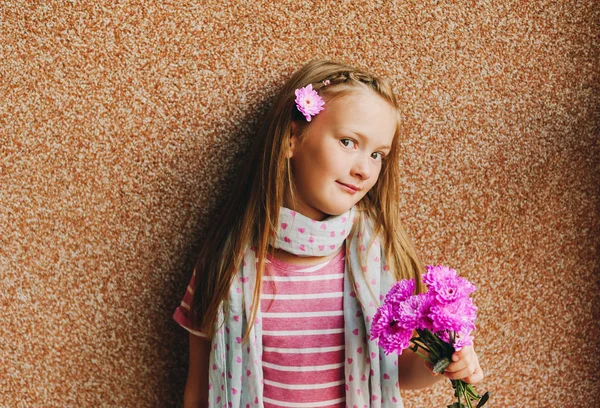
(444, 318)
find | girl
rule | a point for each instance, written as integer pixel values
(280, 303)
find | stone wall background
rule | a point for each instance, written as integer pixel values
(122, 122)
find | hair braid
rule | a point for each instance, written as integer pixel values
(343, 77)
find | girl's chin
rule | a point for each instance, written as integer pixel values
(333, 212)
(321, 212)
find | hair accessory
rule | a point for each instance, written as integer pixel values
(326, 82)
(308, 101)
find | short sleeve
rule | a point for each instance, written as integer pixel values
(183, 315)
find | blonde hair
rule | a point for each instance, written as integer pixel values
(251, 217)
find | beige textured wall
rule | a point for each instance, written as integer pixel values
(122, 122)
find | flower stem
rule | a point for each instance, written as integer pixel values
(464, 391)
(468, 399)
(420, 343)
(425, 357)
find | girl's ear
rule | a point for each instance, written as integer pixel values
(294, 135)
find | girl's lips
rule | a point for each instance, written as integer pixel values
(349, 188)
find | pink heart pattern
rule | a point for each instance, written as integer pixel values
(309, 236)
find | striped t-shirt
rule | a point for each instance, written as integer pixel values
(303, 333)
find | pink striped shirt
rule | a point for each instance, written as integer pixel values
(303, 333)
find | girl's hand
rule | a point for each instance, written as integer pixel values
(464, 366)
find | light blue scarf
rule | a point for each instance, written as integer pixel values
(235, 372)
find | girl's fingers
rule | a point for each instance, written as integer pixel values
(467, 358)
(461, 374)
(462, 353)
(476, 377)
(462, 364)
(430, 367)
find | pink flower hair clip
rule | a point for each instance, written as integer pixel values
(308, 102)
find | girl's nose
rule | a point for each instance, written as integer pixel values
(361, 167)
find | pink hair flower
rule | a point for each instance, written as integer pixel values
(308, 102)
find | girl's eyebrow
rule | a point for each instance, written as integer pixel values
(361, 136)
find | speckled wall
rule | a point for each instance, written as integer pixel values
(122, 123)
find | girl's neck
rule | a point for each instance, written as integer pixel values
(292, 259)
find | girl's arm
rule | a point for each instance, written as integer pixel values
(196, 387)
(413, 374)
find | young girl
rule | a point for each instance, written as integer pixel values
(280, 303)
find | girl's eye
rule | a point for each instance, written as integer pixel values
(377, 156)
(348, 143)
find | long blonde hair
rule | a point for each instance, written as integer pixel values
(251, 217)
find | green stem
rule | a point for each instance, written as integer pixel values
(420, 343)
(425, 357)
(468, 399)
(466, 393)
(436, 345)
(471, 391)
(428, 345)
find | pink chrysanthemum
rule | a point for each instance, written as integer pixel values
(401, 291)
(460, 340)
(412, 312)
(391, 335)
(396, 342)
(308, 102)
(446, 285)
(458, 316)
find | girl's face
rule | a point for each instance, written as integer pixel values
(339, 157)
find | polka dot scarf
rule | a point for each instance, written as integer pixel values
(235, 372)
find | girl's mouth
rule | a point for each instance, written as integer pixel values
(349, 188)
